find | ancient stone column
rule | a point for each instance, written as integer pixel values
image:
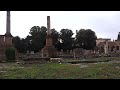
(8, 36)
(48, 25)
(8, 23)
(49, 37)
(49, 50)
(106, 47)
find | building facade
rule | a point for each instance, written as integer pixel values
(107, 46)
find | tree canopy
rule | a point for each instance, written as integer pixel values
(19, 44)
(86, 39)
(38, 35)
(64, 39)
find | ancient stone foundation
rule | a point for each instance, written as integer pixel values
(49, 50)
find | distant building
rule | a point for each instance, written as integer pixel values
(99, 40)
(106, 45)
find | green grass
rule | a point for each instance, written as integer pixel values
(94, 59)
(60, 71)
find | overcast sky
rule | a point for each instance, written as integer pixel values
(106, 24)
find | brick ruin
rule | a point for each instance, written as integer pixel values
(104, 45)
(49, 50)
(107, 46)
(5, 40)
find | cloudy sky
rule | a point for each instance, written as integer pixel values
(106, 24)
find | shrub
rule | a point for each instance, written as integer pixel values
(10, 54)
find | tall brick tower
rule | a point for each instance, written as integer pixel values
(49, 50)
(8, 36)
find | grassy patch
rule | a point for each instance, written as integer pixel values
(61, 71)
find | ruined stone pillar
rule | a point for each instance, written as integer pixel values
(48, 25)
(106, 47)
(8, 23)
(49, 37)
(8, 36)
(49, 50)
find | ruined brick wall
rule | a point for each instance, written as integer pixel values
(1, 40)
(49, 42)
(2, 48)
(98, 41)
(8, 41)
(5, 42)
(49, 51)
(2, 44)
(112, 46)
